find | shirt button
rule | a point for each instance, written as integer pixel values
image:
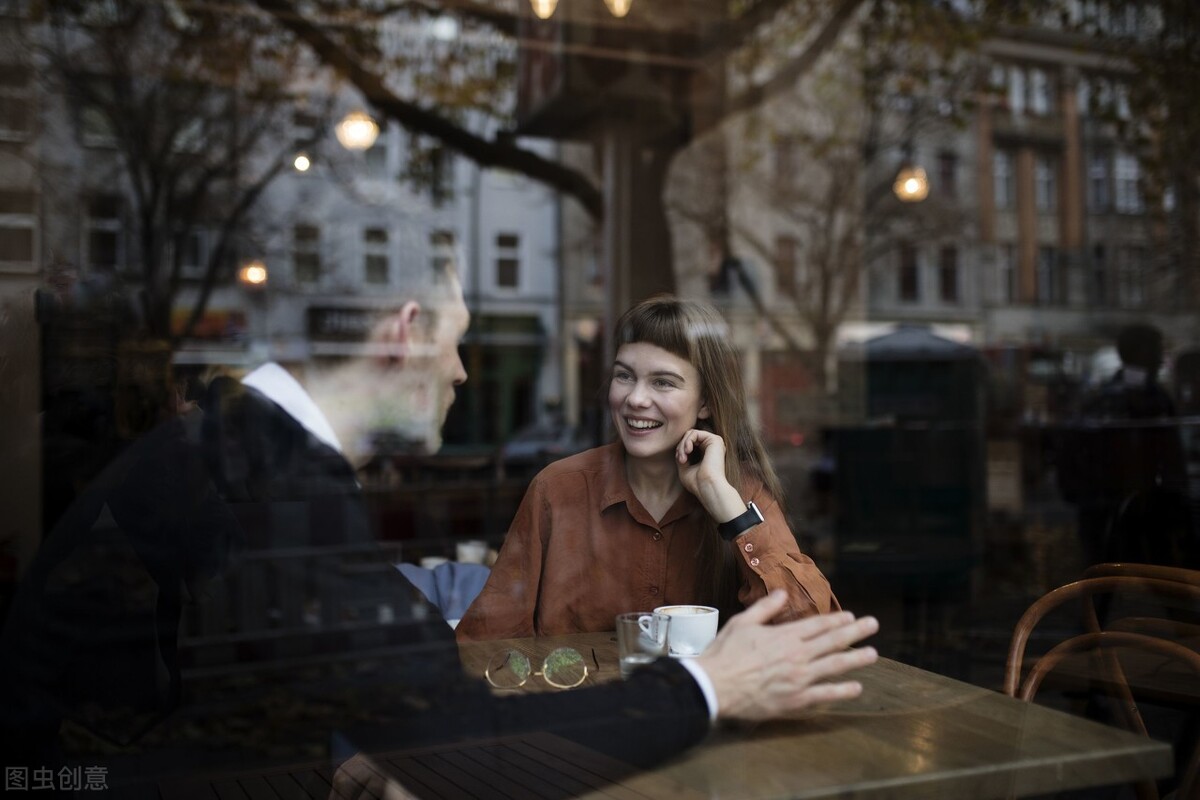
(653, 590)
(749, 547)
(754, 562)
(657, 535)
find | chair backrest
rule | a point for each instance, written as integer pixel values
(1145, 634)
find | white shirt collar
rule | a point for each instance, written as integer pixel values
(282, 389)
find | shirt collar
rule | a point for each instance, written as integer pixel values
(286, 392)
(617, 489)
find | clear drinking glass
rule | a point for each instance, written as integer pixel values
(641, 638)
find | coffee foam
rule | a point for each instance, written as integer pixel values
(686, 610)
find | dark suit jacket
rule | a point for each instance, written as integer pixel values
(217, 600)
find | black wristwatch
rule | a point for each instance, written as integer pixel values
(741, 523)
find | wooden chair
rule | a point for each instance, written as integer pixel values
(1152, 636)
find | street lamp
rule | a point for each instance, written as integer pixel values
(357, 131)
(302, 162)
(253, 274)
(912, 184)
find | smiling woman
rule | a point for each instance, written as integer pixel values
(682, 508)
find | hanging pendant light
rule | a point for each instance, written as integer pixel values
(618, 8)
(543, 9)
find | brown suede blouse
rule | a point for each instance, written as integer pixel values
(582, 549)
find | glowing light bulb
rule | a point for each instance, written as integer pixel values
(543, 9)
(618, 8)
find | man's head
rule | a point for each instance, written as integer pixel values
(1140, 345)
(395, 394)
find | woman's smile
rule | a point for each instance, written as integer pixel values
(654, 398)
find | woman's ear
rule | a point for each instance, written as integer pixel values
(704, 412)
(394, 334)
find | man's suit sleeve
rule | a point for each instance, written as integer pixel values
(655, 714)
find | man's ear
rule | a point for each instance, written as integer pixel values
(394, 334)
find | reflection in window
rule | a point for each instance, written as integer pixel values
(947, 174)
(1049, 284)
(1045, 187)
(1002, 179)
(189, 248)
(1008, 273)
(1041, 101)
(508, 260)
(909, 278)
(1097, 183)
(306, 253)
(104, 233)
(1127, 197)
(16, 101)
(948, 274)
(375, 255)
(441, 247)
(376, 157)
(18, 221)
(1016, 90)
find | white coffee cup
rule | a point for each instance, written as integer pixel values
(472, 551)
(693, 627)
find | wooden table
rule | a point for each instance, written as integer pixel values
(912, 734)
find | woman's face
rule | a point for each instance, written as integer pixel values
(654, 398)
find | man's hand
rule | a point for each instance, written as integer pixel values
(360, 778)
(762, 671)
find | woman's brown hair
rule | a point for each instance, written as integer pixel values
(696, 332)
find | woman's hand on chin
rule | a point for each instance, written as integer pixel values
(700, 458)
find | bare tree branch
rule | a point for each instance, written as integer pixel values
(485, 152)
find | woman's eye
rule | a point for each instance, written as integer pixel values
(621, 376)
(663, 383)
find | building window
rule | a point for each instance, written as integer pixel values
(1127, 197)
(441, 247)
(785, 264)
(948, 274)
(910, 274)
(1097, 183)
(1083, 97)
(1098, 285)
(306, 253)
(104, 235)
(1016, 90)
(188, 247)
(305, 127)
(16, 102)
(1003, 180)
(1041, 100)
(375, 255)
(508, 260)
(1045, 187)
(376, 156)
(18, 225)
(947, 174)
(1049, 288)
(441, 173)
(1008, 273)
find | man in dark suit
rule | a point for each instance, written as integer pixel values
(216, 600)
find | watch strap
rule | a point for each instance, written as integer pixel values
(741, 523)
